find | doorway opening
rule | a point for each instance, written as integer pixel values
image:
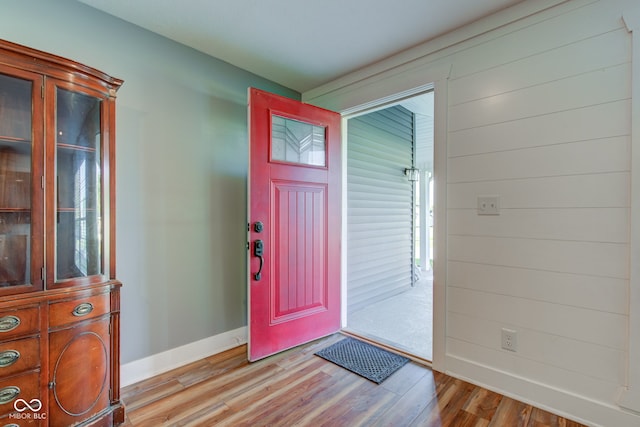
(389, 169)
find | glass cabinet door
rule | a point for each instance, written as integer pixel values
(79, 247)
(16, 119)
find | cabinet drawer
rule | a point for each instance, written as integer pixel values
(19, 322)
(25, 386)
(20, 422)
(18, 356)
(12, 422)
(62, 313)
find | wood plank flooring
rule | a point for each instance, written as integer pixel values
(296, 388)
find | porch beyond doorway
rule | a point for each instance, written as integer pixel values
(403, 321)
(389, 229)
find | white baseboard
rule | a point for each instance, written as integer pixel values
(557, 401)
(630, 399)
(156, 364)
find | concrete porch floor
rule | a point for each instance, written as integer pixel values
(403, 321)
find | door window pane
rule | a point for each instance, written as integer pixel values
(297, 142)
(79, 212)
(15, 180)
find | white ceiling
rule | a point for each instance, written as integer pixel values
(300, 44)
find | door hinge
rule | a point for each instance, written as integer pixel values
(42, 272)
(42, 91)
(42, 181)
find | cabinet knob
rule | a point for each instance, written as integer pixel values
(83, 309)
(8, 358)
(7, 394)
(9, 323)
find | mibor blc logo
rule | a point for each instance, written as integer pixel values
(28, 410)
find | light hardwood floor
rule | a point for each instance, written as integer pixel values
(298, 388)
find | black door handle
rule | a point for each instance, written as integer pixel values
(258, 250)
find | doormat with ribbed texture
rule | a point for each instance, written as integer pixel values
(364, 359)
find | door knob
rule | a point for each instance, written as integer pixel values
(258, 250)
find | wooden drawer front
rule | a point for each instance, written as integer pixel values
(12, 422)
(17, 422)
(25, 386)
(18, 356)
(18, 322)
(62, 313)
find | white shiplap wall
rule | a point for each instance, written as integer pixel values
(543, 122)
(538, 111)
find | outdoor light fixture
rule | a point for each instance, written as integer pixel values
(412, 174)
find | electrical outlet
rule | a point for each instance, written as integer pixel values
(488, 205)
(509, 339)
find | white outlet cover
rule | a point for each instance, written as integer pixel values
(509, 339)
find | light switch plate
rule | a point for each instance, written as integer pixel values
(488, 205)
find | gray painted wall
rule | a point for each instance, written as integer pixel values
(181, 170)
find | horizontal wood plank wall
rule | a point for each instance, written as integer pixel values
(541, 117)
(380, 221)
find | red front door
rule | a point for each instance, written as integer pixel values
(294, 223)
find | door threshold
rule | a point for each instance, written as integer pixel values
(387, 346)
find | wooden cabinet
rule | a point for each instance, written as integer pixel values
(20, 358)
(79, 368)
(59, 296)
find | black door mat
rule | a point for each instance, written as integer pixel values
(364, 359)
